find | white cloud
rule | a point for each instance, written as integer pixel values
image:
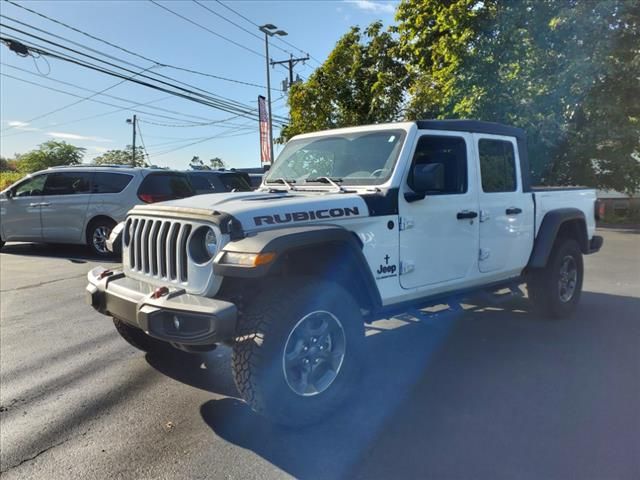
(73, 136)
(374, 6)
(17, 123)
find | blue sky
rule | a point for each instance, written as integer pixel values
(146, 29)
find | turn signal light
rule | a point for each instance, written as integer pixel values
(248, 259)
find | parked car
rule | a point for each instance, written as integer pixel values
(351, 226)
(255, 180)
(216, 181)
(81, 204)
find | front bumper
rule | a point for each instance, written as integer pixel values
(176, 317)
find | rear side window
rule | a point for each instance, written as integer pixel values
(234, 182)
(201, 183)
(67, 183)
(104, 182)
(158, 187)
(451, 153)
(497, 166)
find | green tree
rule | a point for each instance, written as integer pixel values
(197, 164)
(216, 162)
(121, 157)
(566, 71)
(361, 82)
(50, 154)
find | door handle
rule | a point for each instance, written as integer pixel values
(44, 204)
(34, 204)
(513, 211)
(466, 214)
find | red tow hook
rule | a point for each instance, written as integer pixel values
(105, 274)
(160, 292)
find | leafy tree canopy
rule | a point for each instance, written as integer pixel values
(360, 83)
(566, 71)
(50, 154)
(215, 163)
(122, 157)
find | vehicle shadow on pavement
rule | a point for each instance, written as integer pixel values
(74, 253)
(494, 392)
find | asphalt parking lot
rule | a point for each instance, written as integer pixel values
(491, 393)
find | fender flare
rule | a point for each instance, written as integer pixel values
(283, 240)
(548, 232)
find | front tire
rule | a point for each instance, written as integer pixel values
(555, 289)
(298, 351)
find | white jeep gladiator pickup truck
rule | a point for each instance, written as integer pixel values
(349, 226)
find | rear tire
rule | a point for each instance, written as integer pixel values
(137, 338)
(98, 232)
(299, 351)
(555, 289)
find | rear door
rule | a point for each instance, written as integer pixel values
(21, 211)
(439, 234)
(64, 206)
(506, 213)
(163, 186)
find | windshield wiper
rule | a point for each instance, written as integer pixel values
(285, 181)
(330, 180)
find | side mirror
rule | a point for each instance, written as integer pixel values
(8, 194)
(426, 177)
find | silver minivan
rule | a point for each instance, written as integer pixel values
(81, 204)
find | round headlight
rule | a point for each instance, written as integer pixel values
(211, 242)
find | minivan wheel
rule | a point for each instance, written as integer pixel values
(97, 235)
(299, 350)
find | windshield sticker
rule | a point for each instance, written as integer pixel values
(306, 216)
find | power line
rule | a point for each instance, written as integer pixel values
(228, 106)
(82, 99)
(208, 96)
(253, 34)
(109, 96)
(258, 26)
(206, 29)
(200, 141)
(118, 47)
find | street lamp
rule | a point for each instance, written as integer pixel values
(270, 30)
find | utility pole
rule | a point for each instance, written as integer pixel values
(269, 30)
(133, 150)
(292, 62)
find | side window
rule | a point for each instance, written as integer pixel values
(67, 183)
(201, 183)
(497, 166)
(449, 156)
(30, 188)
(105, 182)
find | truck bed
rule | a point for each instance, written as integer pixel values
(553, 198)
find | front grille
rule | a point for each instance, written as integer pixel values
(157, 248)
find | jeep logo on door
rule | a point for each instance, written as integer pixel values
(306, 216)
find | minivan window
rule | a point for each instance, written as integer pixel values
(31, 187)
(158, 187)
(106, 182)
(67, 183)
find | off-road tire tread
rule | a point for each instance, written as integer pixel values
(137, 338)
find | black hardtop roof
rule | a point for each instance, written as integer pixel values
(473, 126)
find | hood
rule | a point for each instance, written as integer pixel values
(259, 210)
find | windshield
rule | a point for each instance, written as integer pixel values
(360, 158)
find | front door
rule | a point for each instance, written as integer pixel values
(64, 206)
(506, 214)
(21, 211)
(439, 234)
